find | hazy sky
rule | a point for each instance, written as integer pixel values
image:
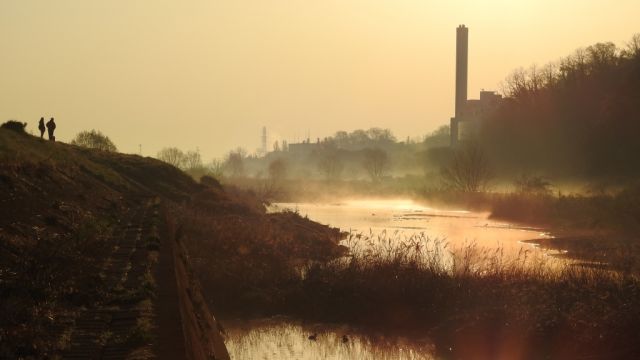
(211, 73)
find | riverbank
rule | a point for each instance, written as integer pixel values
(483, 305)
(589, 227)
(594, 229)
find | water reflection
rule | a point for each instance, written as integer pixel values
(282, 338)
(439, 236)
(404, 219)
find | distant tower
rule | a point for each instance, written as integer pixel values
(264, 140)
(462, 61)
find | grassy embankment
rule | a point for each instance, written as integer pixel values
(63, 210)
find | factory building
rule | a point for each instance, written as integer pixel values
(468, 112)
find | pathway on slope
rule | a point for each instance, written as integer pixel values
(170, 342)
(111, 330)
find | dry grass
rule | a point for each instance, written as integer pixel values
(416, 284)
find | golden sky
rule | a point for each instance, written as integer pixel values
(209, 74)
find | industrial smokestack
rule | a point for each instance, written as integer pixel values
(462, 55)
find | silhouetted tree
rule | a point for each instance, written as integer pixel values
(633, 47)
(436, 157)
(234, 163)
(215, 168)
(360, 139)
(277, 170)
(375, 162)
(173, 156)
(469, 169)
(439, 137)
(578, 116)
(192, 161)
(331, 164)
(270, 187)
(378, 135)
(94, 139)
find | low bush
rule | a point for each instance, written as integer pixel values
(16, 126)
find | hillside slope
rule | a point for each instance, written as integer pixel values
(88, 259)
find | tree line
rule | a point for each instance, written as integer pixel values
(578, 117)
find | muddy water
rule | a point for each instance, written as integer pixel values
(384, 220)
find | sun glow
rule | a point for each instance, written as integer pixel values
(142, 75)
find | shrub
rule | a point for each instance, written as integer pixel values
(16, 126)
(528, 184)
(94, 139)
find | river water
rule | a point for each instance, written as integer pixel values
(385, 221)
(402, 219)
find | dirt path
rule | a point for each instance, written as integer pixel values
(170, 339)
(113, 329)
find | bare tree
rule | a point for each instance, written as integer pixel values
(633, 46)
(469, 169)
(215, 168)
(234, 163)
(549, 73)
(602, 55)
(192, 160)
(579, 61)
(331, 164)
(375, 163)
(272, 186)
(515, 84)
(172, 155)
(277, 170)
(534, 78)
(380, 135)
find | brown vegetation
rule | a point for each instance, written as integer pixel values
(77, 249)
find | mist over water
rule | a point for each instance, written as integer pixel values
(380, 221)
(403, 219)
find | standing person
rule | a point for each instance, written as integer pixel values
(51, 127)
(41, 127)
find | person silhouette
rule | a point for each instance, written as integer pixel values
(51, 127)
(41, 127)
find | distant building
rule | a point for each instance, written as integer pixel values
(468, 112)
(474, 111)
(303, 148)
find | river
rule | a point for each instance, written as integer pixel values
(383, 220)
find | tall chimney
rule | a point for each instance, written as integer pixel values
(462, 55)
